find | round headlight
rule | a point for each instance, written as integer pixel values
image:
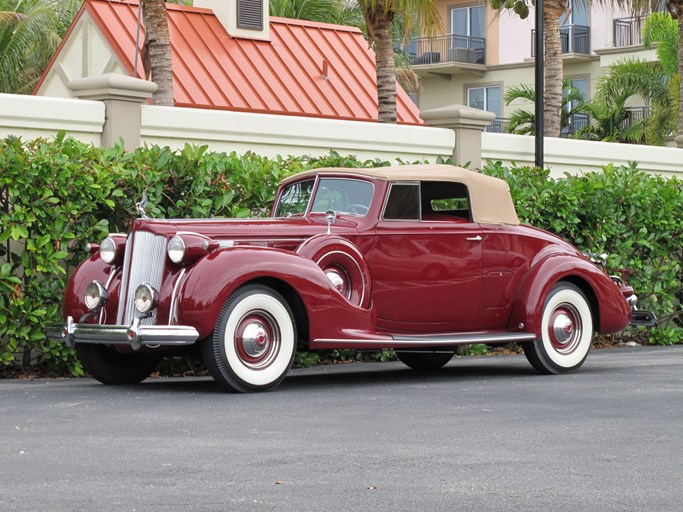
(176, 249)
(95, 296)
(145, 298)
(108, 250)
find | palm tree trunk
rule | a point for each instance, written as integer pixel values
(386, 74)
(552, 99)
(157, 47)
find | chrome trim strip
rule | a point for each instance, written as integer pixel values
(172, 312)
(436, 341)
(360, 271)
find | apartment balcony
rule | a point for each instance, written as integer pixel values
(627, 31)
(575, 39)
(446, 52)
(498, 125)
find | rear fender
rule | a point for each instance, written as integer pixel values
(611, 312)
(211, 281)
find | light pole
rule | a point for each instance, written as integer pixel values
(539, 86)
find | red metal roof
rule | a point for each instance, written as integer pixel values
(213, 70)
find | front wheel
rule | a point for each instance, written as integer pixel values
(566, 332)
(424, 361)
(111, 367)
(253, 342)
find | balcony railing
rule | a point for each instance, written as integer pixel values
(627, 31)
(498, 125)
(574, 39)
(448, 48)
(633, 115)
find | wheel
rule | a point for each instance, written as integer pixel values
(566, 332)
(253, 342)
(424, 361)
(111, 367)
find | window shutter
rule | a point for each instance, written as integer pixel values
(250, 14)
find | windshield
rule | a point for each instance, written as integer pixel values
(342, 195)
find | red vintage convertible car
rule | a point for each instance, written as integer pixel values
(417, 259)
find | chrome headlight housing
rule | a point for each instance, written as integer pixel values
(108, 250)
(146, 298)
(95, 296)
(176, 249)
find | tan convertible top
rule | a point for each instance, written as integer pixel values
(490, 198)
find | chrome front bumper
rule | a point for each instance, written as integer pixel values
(134, 335)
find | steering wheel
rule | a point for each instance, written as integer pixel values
(358, 208)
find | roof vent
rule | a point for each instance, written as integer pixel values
(250, 14)
(248, 19)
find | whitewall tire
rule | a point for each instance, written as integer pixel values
(254, 341)
(566, 332)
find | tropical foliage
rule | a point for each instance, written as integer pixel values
(611, 118)
(522, 121)
(667, 105)
(57, 195)
(30, 31)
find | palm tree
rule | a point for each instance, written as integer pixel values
(675, 8)
(30, 31)
(553, 10)
(629, 78)
(379, 16)
(156, 51)
(522, 121)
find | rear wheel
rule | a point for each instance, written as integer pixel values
(253, 342)
(424, 361)
(566, 332)
(111, 367)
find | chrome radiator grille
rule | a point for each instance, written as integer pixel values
(143, 263)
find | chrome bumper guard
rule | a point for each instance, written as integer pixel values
(134, 335)
(642, 318)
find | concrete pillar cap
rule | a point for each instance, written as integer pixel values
(112, 86)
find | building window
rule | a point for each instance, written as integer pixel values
(577, 14)
(486, 98)
(468, 21)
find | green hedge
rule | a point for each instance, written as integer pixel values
(57, 195)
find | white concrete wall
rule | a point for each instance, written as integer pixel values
(30, 117)
(272, 135)
(580, 156)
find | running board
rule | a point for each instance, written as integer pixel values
(441, 340)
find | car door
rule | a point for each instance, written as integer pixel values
(426, 270)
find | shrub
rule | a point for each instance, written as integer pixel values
(55, 196)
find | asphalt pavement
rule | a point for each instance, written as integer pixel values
(485, 434)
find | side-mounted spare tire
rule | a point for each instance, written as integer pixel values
(343, 264)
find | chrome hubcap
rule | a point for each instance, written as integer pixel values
(565, 329)
(255, 339)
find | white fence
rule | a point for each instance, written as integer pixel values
(272, 135)
(30, 117)
(580, 156)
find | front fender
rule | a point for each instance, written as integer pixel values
(92, 269)
(211, 281)
(613, 312)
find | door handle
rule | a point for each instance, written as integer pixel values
(474, 238)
